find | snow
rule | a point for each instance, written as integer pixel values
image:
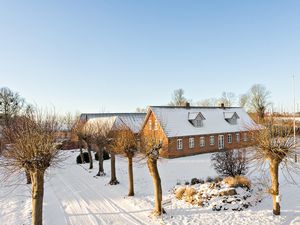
(174, 120)
(73, 195)
(133, 121)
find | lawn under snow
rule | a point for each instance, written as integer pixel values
(74, 196)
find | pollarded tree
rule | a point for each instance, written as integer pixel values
(87, 135)
(151, 146)
(32, 146)
(275, 145)
(101, 130)
(125, 142)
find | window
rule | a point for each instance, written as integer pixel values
(179, 144)
(221, 141)
(212, 140)
(155, 125)
(237, 137)
(191, 142)
(150, 124)
(229, 138)
(198, 123)
(245, 137)
(202, 141)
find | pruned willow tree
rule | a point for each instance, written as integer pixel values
(87, 135)
(274, 145)
(151, 145)
(32, 146)
(124, 142)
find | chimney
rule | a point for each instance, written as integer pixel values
(187, 105)
(222, 106)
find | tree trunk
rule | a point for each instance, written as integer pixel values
(90, 156)
(152, 166)
(101, 169)
(37, 178)
(81, 153)
(28, 177)
(274, 164)
(113, 179)
(130, 177)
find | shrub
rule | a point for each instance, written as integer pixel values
(238, 181)
(209, 179)
(230, 163)
(85, 158)
(179, 192)
(105, 155)
(187, 183)
(218, 179)
(195, 181)
(190, 192)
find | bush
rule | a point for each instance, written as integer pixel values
(209, 179)
(230, 163)
(85, 158)
(179, 192)
(105, 156)
(218, 179)
(195, 181)
(238, 181)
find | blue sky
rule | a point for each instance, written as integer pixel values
(93, 56)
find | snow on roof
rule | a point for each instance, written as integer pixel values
(193, 115)
(229, 115)
(174, 120)
(133, 121)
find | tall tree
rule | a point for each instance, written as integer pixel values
(228, 99)
(274, 144)
(178, 98)
(244, 100)
(124, 142)
(11, 104)
(259, 99)
(32, 147)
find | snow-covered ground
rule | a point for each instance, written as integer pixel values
(74, 196)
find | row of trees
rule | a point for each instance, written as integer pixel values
(257, 100)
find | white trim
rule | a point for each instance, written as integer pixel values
(221, 141)
(202, 142)
(191, 142)
(179, 144)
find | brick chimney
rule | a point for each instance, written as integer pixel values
(222, 106)
(187, 105)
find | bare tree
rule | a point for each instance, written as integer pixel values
(209, 102)
(151, 146)
(230, 163)
(124, 142)
(11, 104)
(259, 99)
(32, 146)
(78, 130)
(274, 144)
(178, 98)
(141, 110)
(228, 99)
(101, 130)
(244, 100)
(87, 135)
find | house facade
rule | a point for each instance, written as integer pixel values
(189, 130)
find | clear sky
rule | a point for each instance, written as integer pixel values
(114, 55)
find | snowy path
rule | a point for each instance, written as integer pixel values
(84, 203)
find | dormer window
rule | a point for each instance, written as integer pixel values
(196, 119)
(231, 117)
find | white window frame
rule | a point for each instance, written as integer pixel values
(238, 137)
(198, 123)
(212, 140)
(150, 124)
(191, 142)
(229, 138)
(221, 145)
(179, 144)
(245, 137)
(202, 142)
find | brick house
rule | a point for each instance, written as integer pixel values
(193, 130)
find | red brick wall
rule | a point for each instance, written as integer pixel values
(170, 144)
